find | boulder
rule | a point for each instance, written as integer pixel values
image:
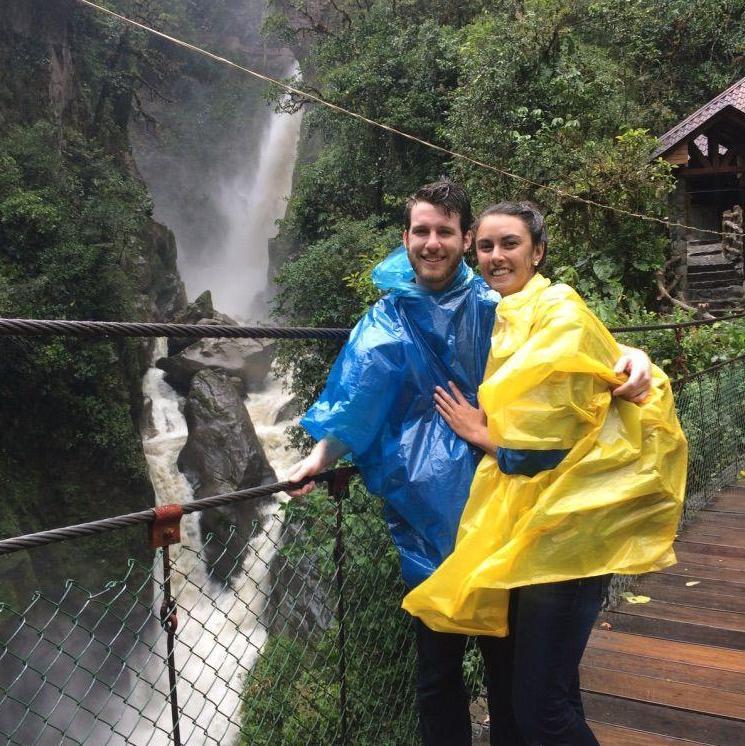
(301, 603)
(288, 411)
(224, 454)
(246, 359)
(200, 311)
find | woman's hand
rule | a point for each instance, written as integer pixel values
(467, 421)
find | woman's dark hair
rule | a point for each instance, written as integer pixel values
(531, 216)
(446, 194)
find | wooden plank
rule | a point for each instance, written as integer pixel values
(678, 156)
(703, 533)
(708, 594)
(682, 652)
(616, 735)
(674, 630)
(683, 696)
(692, 571)
(706, 677)
(708, 171)
(728, 502)
(709, 517)
(698, 555)
(667, 721)
(721, 620)
(706, 546)
(733, 534)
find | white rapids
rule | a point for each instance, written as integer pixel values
(219, 636)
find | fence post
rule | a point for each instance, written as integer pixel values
(679, 365)
(166, 530)
(339, 489)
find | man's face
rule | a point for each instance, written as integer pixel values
(435, 245)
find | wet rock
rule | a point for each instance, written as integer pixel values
(246, 359)
(301, 603)
(224, 454)
(152, 266)
(288, 411)
(200, 311)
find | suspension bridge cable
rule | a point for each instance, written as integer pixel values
(393, 130)
(114, 523)
(47, 327)
(109, 329)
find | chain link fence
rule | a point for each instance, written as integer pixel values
(285, 631)
(291, 633)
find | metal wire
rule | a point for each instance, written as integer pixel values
(107, 329)
(44, 327)
(309, 96)
(105, 525)
(289, 628)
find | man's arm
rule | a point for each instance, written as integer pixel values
(638, 366)
(326, 452)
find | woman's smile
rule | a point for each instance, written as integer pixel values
(506, 254)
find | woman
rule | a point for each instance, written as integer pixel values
(575, 485)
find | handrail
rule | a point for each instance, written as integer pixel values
(78, 328)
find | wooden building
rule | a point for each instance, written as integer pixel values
(708, 152)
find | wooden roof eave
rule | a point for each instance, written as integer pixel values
(727, 112)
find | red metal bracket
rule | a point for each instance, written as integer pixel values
(166, 528)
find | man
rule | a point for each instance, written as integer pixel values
(433, 327)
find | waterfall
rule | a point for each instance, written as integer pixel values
(219, 637)
(217, 624)
(250, 202)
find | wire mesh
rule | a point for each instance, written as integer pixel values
(257, 646)
(289, 628)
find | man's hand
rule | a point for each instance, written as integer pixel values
(326, 452)
(638, 366)
(308, 467)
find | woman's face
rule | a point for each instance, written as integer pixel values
(506, 254)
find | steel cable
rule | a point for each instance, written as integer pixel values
(104, 525)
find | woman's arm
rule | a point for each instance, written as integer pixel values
(469, 423)
(326, 452)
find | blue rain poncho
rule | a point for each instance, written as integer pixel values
(378, 401)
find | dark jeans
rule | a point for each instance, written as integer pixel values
(532, 676)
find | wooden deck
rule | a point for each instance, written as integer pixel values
(672, 671)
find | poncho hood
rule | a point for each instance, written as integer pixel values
(396, 275)
(378, 400)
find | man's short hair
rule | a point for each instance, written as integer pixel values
(446, 194)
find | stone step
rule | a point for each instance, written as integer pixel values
(715, 303)
(699, 283)
(732, 293)
(709, 273)
(711, 260)
(723, 309)
(708, 248)
(697, 254)
(703, 242)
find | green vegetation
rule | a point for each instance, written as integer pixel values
(292, 694)
(566, 93)
(75, 242)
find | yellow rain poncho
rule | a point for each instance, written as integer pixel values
(612, 504)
